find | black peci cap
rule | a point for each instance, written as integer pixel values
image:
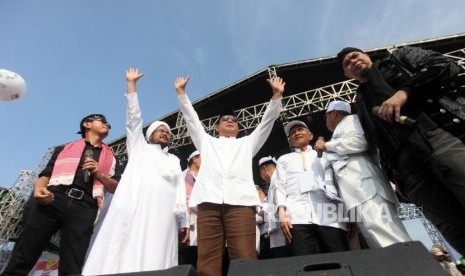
(341, 55)
(90, 118)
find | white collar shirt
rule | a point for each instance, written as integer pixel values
(225, 176)
(310, 206)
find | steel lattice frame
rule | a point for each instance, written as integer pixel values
(294, 106)
(11, 209)
(12, 206)
(409, 211)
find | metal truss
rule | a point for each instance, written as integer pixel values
(458, 56)
(294, 106)
(12, 202)
(317, 99)
(409, 211)
(12, 207)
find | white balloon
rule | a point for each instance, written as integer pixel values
(12, 85)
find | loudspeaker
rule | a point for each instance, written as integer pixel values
(409, 258)
(180, 270)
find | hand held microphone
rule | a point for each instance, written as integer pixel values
(88, 155)
(319, 153)
(403, 120)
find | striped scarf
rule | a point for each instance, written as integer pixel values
(67, 163)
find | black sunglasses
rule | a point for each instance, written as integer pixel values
(226, 118)
(101, 120)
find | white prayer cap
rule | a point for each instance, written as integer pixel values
(339, 105)
(292, 124)
(153, 127)
(266, 160)
(194, 154)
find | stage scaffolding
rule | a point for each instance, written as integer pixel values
(294, 106)
(12, 204)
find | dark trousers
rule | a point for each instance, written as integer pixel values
(265, 251)
(74, 218)
(187, 255)
(313, 239)
(280, 251)
(437, 184)
(217, 223)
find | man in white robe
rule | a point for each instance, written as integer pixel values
(140, 230)
(366, 192)
(224, 192)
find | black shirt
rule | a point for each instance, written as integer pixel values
(78, 181)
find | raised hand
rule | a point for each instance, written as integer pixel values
(132, 76)
(180, 85)
(277, 85)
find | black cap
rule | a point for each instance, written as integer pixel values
(341, 55)
(90, 118)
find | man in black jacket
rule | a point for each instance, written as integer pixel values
(424, 160)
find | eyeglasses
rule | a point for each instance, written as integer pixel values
(101, 120)
(226, 118)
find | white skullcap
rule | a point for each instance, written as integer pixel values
(292, 124)
(153, 127)
(266, 160)
(339, 105)
(195, 153)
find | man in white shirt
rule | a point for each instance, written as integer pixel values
(362, 185)
(307, 210)
(278, 246)
(224, 192)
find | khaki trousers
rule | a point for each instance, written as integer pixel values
(220, 223)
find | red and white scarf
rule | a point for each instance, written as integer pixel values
(67, 163)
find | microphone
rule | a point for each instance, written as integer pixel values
(319, 153)
(88, 155)
(403, 120)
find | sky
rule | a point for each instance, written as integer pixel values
(73, 54)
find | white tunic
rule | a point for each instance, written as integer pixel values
(357, 172)
(140, 230)
(300, 187)
(363, 186)
(225, 176)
